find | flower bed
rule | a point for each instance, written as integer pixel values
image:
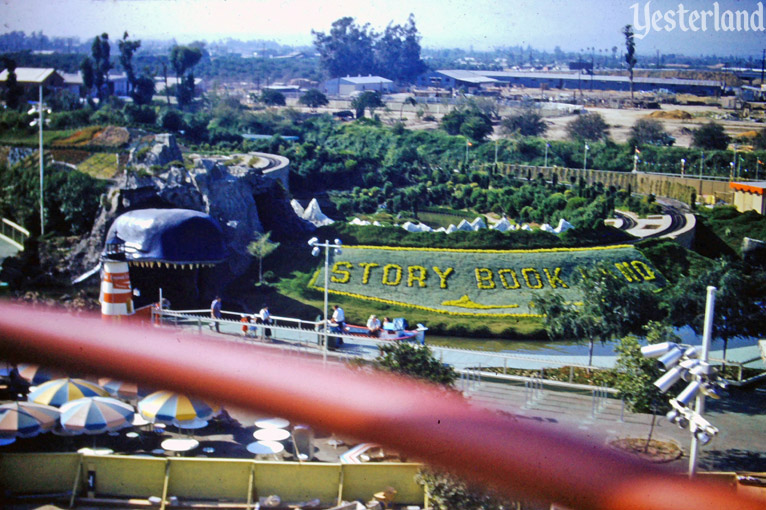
(474, 282)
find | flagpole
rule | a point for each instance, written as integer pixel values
(467, 144)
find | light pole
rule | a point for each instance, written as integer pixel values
(547, 145)
(731, 171)
(40, 109)
(585, 158)
(691, 364)
(316, 245)
(683, 163)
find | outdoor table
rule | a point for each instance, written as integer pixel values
(272, 423)
(179, 445)
(265, 448)
(271, 434)
(139, 421)
(132, 435)
(95, 451)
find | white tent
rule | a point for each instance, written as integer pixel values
(410, 227)
(451, 228)
(465, 226)
(478, 224)
(563, 226)
(297, 207)
(424, 228)
(315, 215)
(502, 226)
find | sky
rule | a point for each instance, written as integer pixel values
(573, 25)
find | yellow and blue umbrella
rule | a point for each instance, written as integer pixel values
(22, 419)
(61, 391)
(169, 407)
(94, 415)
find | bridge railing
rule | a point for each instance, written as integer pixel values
(13, 233)
(423, 421)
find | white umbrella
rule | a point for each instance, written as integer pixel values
(94, 415)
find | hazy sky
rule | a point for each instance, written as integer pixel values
(481, 24)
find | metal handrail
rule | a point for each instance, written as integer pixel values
(13, 233)
(426, 422)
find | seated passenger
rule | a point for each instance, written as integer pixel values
(373, 324)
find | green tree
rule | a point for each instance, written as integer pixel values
(630, 54)
(127, 49)
(313, 98)
(12, 92)
(261, 248)
(739, 309)
(416, 361)
(101, 62)
(271, 97)
(448, 492)
(468, 122)
(588, 126)
(369, 99)
(710, 136)
(759, 142)
(527, 122)
(409, 100)
(636, 374)
(143, 89)
(183, 59)
(347, 50)
(649, 132)
(610, 308)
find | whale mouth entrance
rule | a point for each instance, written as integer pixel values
(157, 240)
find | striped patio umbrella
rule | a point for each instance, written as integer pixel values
(124, 390)
(17, 423)
(61, 391)
(36, 374)
(94, 415)
(47, 415)
(169, 407)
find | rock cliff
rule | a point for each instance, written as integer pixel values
(231, 189)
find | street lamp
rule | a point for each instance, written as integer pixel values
(690, 364)
(316, 251)
(683, 163)
(547, 145)
(40, 109)
(585, 158)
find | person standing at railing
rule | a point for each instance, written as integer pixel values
(215, 313)
(264, 317)
(338, 321)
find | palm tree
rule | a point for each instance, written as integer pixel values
(410, 101)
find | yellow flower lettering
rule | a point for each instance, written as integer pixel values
(367, 266)
(484, 278)
(532, 271)
(643, 270)
(397, 275)
(554, 279)
(345, 274)
(420, 277)
(443, 275)
(501, 273)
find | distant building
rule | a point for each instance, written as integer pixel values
(454, 79)
(459, 78)
(30, 79)
(345, 87)
(749, 196)
(159, 85)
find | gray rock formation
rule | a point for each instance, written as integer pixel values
(226, 187)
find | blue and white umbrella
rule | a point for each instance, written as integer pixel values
(22, 419)
(94, 415)
(60, 391)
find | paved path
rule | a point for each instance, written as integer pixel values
(739, 446)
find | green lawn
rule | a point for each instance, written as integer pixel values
(101, 165)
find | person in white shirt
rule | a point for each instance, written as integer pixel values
(373, 324)
(264, 317)
(338, 318)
